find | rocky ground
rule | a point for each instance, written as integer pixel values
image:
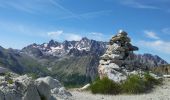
(159, 93)
(15, 87)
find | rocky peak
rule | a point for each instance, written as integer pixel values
(53, 43)
(85, 39)
(150, 60)
(78, 48)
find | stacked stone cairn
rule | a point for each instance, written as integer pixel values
(115, 63)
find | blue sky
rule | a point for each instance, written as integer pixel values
(23, 22)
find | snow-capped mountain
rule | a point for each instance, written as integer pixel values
(54, 48)
(70, 60)
(84, 47)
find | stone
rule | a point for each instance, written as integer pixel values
(116, 56)
(53, 83)
(114, 66)
(3, 70)
(85, 87)
(56, 89)
(32, 93)
(12, 95)
(117, 76)
(103, 62)
(105, 57)
(25, 88)
(64, 93)
(2, 97)
(61, 94)
(43, 89)
(24, 79)
(114, 63)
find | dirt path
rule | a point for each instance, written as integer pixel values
(159, 93)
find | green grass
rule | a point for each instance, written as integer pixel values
(10, 81)
(33, 75)
(105, 86)
(134, 84)
(150, 81)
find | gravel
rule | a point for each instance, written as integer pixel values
(161, 92)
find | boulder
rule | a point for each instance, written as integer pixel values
(56, 89)
(11, 94)
(3, 70)
(2, 96)
(53, 83)
(15, 87)
(32, 93)
(43, 89)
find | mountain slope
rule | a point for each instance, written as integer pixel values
(79, 58)
(69, 61)
(75, 48)
(20, 62)
(150, 60)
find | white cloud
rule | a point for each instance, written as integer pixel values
(137, 4)
(166, 30)
(151, 34)
(98, 36)
(56, 33)
(75, 37)
(96, 33)
(158, 45)
(61, 35)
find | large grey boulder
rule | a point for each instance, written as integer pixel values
(32, 93)
(43, 89)
(56, 89)
(53, 83)
(2, 96)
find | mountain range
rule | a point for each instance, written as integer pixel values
(72, 62)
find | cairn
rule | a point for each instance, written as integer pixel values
(115, 63)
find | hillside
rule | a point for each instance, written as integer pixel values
(20, 63)
(163, 69)
(69, 61)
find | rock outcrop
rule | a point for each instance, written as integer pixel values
(15, 87)
(116, 63)
(56, 89)
(3, 70)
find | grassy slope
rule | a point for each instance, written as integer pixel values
(72, 70)
(20, 63)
